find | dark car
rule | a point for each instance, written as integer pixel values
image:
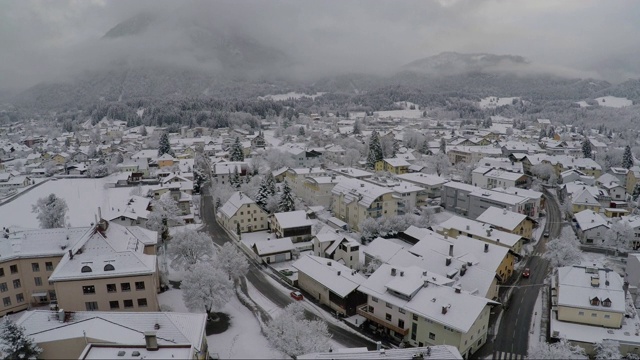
(526, 273)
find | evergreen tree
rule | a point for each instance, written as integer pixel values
(164, 146)
(357, 127)
(542, 135)
(235, 180)
(586, 148)
(301, 131)
(286, 202)
(627, 158)
(15, 344)
(270, 181)
(262, 195)
(395, 148)
(375, 150)
(443, 146)
(236, 153)
(424, 149)
(551, 132)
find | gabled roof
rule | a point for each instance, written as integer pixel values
(273, 246)
(502, 218)
(365, 193)
(336, 277)
(587, 219)
(292, 219)
(235, 202)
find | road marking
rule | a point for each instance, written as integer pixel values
(519, 311)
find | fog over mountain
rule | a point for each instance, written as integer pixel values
(67, 42)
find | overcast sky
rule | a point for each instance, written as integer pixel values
(44, 40)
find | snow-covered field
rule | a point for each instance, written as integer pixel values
(289, 95)
(83, 197)
(493, 101)
(612, 101)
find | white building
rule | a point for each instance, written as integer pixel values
(590, 227)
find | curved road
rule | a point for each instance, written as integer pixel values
(515, 324)
(257, 278)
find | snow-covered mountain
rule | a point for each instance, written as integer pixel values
(450, 63)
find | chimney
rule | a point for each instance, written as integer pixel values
(444, 310)
(393, 271)
(504, 212)
(424, 273)
(99, 213)
(401, 273)
(378, 345)
(425, 283)
(328, 263)
(463, 269)
(151, 340)
(70, 254)
(489, 231)
(457, 289)
(448, 261)
(362, 185)
(451, 250)
(467, 227)
(338, 273)
(486, 248)
(61, 315)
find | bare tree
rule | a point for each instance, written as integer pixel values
(189, 247)
(52, 211)
(206, 288)
(294, 335)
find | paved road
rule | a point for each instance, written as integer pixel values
(515, 325)
(258, 279)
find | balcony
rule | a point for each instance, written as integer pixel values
(377, 208)
(362, 310)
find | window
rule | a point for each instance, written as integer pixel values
(607, 316)
(14, 269)
(401, 311)
(3, 287)
(35, 267)
(86, 269)
(595, 301)
(109, 267)
(401, 323)
(389, 306)
(128, 303)
(594, 315)
(125, 286)
(19, 298)
(91, 305)
(38, 280)
(370, 309)
(414, 330)
(479, 342)
(581, 313)
(89, 289)
(111, 288)
(606, 302)
(49, 266)
(114, 304)
(374, 299)
(6, 301)
(432, 336)
(16, 284)
(142, 302)
(139, 285)
(388, 317)
(1, 271)
(415, 317)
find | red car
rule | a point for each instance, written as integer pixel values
(526, 273)
(297, 295)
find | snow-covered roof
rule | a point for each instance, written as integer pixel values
(498, 196)
(365, 193)
(526, 193)
(135, 207)
(331, 274)
(273, 246)
(503, 174)
(40, 242)
(126, 328)
(584, 197)
(575, 288)
(444, 352)
(234, 203)
(292, 219)
(382, 249)
(463, 309)
(120, 246)
(352, 172)
(587, 219)
(307, 171)
(423, 179)
(225, 168)
(395, 162)
(481, 230)
(460, 186)
(502, 218)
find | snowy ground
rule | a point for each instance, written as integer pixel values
(83, 197)
(603, 260)
(536, 318)
(493, 101)
(612, 101)
(289, 95)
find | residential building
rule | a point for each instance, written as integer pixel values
(455, 196)
(590, 227)
(331, 283)
(293, 224)
(412, 305)
(471, 154)
(393, 165)
(442, 352)
(336, 246)
(111, 267)
(489, 178)
(409, 196)
(432, 184)
(241, 214)
(480, 200)
(224, 171)
(166, 160)
(588, 295)
(273, 251)
(134, 212)
(355, 200)
(296, 178)
(583, 200)
(317, 189)
(509, 221)
(112, 335)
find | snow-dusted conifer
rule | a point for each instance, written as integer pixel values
(586, 148)
(14, 343)
(164, 146)
(627, 158)
(375, 150)
(236, 153)
(286, 203)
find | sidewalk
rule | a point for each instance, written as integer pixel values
(535, 334)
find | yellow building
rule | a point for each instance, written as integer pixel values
(166, 160)
(354, 200)
(241, 214)
(111, 267)
(508, 221)
(116, 335)
(588, 295)
(585, 201)
(393, 165)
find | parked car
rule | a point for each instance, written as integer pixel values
(526, 273)
(286, 272)
(546, 234)
(297, 295)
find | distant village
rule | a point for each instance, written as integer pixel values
(413, 231)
